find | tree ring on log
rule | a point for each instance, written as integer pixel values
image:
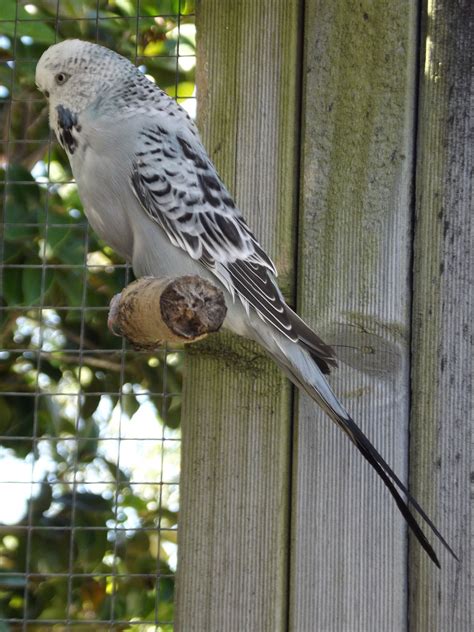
(192, 306)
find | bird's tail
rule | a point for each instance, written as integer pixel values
(297, 362)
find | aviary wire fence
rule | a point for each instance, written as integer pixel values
(89, 429)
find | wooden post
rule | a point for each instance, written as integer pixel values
(346, 552)
(441, 430)
(233, 529)
(349, 559)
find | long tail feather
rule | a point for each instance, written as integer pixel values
(303, 371)
(369, 452)
(406, 513)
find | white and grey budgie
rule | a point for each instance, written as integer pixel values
(150, 190)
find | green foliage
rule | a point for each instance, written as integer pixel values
(97, 534)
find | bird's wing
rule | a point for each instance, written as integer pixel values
(178, 187)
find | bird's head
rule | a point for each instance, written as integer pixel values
(73, 73)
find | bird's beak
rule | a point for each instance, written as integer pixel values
(45, 93)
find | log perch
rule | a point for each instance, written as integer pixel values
(151, 311)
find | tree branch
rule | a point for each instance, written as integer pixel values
(151, 311)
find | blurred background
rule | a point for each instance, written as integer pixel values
(89, 429)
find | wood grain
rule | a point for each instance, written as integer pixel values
(233, 538)
(349, 541)
(441, 455)
(394, 296)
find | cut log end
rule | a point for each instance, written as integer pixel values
(151, 311)
(192, 307)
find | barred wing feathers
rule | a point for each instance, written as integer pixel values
(178, 187)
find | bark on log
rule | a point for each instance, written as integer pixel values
(151, 311)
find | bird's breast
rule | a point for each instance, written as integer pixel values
(105, 192)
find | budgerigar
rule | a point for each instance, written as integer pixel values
(150, 190)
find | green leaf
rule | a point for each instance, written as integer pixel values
(12, 290)
(35, 284)
(9, 9)
(129, 404)
(89, 405)
(172, 413)
(119, 475)
(41, 32)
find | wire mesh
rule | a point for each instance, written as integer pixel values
(89, 429)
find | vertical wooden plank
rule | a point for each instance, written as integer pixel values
(233, 553)
(348, 568)
(441, 430)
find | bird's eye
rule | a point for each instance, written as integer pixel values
(61, 78)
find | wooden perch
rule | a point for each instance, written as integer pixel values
(151, 311)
